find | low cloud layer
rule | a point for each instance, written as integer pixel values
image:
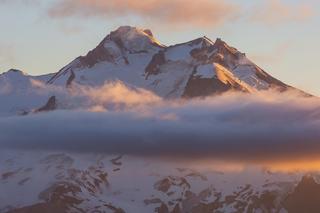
(234, 126)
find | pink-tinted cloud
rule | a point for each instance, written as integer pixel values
(203, 13)
(181, 13)
(116, 94)
(275, 12)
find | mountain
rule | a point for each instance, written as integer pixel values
(135, 57)
(73, 182)
(196, 68)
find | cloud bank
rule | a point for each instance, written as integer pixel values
(174, 12)
(184, 13)
(235, 126)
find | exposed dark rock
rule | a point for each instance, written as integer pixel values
(199, 54)
(230, 55)
(305, 197)
(153, 67)
(201, 87)
(148, 31)
(14, 70)
(7, 175)
(49, 106)
(100, 53)
(162, 209)
(23, 181)
(114, 209)
(223, 47)
(70, 79)
(60, 197)
(206, 208)
(163, 185)
(176, 209)
(40, 208)
(116, 161)
(61, 72)
(266, 202)
(152, 201)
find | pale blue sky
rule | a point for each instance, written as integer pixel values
(286, 47)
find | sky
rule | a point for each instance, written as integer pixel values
(281, 36)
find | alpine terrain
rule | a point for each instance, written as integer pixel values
(58, 181)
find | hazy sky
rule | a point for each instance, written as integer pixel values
(282, 36)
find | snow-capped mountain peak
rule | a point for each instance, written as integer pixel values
(132, 55)
(135, 57)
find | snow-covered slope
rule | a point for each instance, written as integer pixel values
(20, 92)
(69, 182)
